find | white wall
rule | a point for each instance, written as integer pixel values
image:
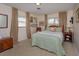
(22, 34)
(69, 15)
(5, 32)
(76, 28)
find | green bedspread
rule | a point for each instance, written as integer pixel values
(51, 41)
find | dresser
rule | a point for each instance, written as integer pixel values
(6, 43)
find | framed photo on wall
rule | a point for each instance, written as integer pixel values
(3, 21)
(77, 15)
(33, 21)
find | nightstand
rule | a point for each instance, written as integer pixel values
(38, 29)
(68, 36)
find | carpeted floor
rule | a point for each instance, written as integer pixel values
(24, 48)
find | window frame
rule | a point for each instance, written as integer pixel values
(54, 21)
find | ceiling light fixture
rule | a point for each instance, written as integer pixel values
(37, 4)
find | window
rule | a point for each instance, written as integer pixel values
(53, 21)
(21, 21)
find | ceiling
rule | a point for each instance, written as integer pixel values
(45, 8)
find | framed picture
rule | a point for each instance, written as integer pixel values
(77, 15)
(3, 21)
(33, 21)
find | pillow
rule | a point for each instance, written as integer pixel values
(53, 29)
(58, 29)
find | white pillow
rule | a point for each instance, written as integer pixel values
(53, 29)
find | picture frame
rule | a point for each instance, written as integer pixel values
(77, 15)
(33, 21)
(3, 21)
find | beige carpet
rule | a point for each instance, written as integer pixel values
(24, 48)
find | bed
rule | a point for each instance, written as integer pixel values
(51, 41)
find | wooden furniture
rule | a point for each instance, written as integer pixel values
(68, 36)
(6, 43)
(38, 29)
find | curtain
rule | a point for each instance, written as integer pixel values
(63, 19)
(28, 29)
(46, 21)
(14, 25)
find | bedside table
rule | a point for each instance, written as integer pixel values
(38, 29)
(68, 36)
